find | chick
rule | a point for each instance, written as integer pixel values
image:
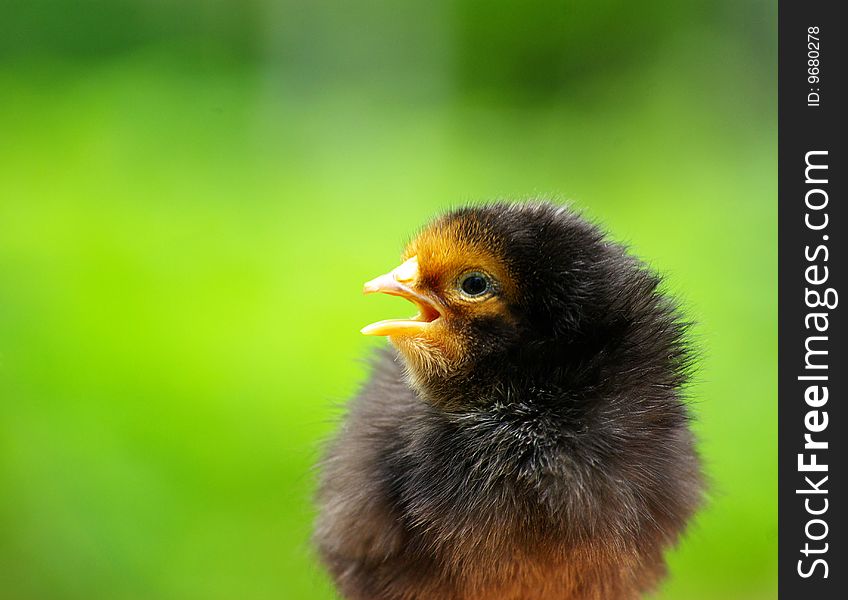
(527, 437)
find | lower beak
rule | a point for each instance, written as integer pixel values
(398, 283)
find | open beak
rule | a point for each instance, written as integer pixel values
(398, 283)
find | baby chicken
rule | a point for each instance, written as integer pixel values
(527, 438)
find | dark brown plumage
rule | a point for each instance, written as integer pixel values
(527, 438)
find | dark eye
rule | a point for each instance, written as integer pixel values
(474, 284)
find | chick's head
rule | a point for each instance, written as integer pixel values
(500, 285)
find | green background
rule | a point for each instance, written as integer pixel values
(192, 193)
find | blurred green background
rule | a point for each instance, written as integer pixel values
(191, 194)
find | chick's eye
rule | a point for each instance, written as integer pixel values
(474, 284)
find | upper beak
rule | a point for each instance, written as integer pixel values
(399, 282)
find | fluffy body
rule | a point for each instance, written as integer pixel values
(545, 453)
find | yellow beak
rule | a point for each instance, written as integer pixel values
(401, 282)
